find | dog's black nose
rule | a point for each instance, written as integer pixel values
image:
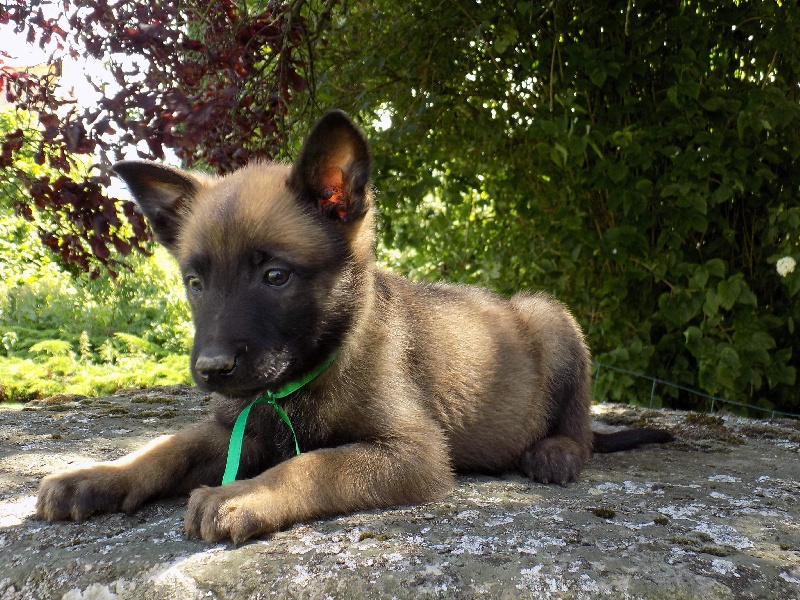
(215, 364)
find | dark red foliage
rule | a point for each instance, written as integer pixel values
(216, 92)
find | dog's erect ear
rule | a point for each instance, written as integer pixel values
(162, 192)
(334, 168)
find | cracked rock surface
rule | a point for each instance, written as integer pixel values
(715, 514)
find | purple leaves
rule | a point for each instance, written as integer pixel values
(206, 80)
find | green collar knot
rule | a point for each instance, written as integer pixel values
(237, 434)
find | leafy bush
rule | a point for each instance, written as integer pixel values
(62, 330)
(639, 160)
(65, 332)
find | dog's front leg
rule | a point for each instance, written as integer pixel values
(320, 483)
(168, 466)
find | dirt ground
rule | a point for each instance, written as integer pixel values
(715, 514)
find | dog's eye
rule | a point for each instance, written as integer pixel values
(277, 277)
(194, 284)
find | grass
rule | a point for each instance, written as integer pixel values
(25, 379)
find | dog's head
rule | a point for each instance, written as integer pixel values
(272, 255)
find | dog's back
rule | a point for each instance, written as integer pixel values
(498, 375)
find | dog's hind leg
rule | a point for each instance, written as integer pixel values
(559, 457)
(557, 345)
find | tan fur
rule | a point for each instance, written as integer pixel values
(429, 380)
(251, 205)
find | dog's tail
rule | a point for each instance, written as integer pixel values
(629, 438)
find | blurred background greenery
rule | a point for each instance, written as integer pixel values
(639, 160)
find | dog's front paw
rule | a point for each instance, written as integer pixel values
(80, 493)
(238, 511)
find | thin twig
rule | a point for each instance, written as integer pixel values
(628, 18)
(552, 69)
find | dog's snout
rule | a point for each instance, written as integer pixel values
(215, 364)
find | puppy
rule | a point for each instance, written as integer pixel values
(387, 387)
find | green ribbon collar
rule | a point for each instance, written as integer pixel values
(237, 434)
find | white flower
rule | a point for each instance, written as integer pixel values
(785, 266)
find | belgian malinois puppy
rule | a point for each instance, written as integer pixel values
(408, 382)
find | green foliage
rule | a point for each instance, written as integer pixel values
(26, 378)
(639, 160)
(64, 332)
(52, 348)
